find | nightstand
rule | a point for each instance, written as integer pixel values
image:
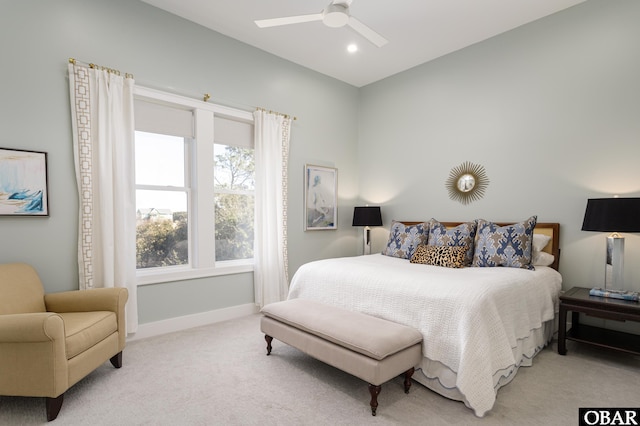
(577, 300)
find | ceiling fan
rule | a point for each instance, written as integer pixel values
(334, 15)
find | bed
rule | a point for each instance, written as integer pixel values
(479, 324)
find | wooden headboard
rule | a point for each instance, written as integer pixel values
(549, 228)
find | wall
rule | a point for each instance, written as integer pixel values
(550, 109)
(167, 53)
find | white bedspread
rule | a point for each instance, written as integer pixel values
(471, 318)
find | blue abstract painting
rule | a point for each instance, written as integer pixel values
(23, 183)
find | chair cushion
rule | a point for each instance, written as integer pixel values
(84, 329)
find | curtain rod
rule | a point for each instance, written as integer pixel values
(276, 112)
(99, 67)
(205, 98)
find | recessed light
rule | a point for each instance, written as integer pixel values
(352, 48)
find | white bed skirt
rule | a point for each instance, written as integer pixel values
(441, 379)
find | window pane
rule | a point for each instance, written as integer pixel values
(159, 159)
(161, 228)
(234, 167)
(234, 226)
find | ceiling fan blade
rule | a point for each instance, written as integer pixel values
(367, 32)
(275, 22)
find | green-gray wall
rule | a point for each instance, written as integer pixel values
(168, 53)
(550, 109)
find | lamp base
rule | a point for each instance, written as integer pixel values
(366, 240)
(614, 268)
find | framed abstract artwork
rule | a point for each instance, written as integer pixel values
(23, 183)
(320, 198)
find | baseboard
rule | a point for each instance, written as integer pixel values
(189, 321)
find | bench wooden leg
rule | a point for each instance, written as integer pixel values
(268, 339)
(374, 391)
(407, 379)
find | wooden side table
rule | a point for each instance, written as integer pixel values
(577, 300)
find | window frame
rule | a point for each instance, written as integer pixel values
(200, 170)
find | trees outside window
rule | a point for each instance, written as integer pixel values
(234, 202)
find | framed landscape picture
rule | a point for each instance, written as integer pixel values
(320, 198)
(23, 183)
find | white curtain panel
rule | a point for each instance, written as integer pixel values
(103, 140)
(270, 274)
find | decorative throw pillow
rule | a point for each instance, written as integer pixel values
(510, 246)
(461, 235)
(403, 239)
(447, 256)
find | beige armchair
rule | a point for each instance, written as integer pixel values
(48, 342)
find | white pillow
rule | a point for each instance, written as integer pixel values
(541, 258)
(540, 241)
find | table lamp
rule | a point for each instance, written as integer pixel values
(613, 215)
(367, 216)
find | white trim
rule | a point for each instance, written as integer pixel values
(170, 98)
(185, 322)
(182, 273)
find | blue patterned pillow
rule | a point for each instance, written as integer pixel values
(462, 235)
(403, 239)
(510, 246)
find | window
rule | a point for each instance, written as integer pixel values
(234, 183)
(234, 201)
(194, 188)
(162, 201)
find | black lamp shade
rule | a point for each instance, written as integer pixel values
(367, 216)
(612, 215)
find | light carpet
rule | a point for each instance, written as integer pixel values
(220, 375)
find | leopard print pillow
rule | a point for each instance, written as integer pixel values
(447, 256)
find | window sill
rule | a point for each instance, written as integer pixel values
(186, 273)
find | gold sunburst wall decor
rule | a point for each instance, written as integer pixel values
(467, 182)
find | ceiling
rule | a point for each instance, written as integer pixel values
(417, 30)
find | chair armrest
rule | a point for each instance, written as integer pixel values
(96, 299)
(31, 327)
(33, 356)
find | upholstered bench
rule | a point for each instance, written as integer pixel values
(370, 348)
